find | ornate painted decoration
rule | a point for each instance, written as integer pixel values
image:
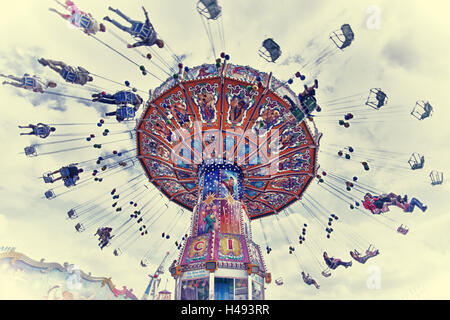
(220, 113)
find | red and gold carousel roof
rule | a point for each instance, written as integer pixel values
(221, 113)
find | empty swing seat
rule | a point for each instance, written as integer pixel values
(422, 110)
(41, 130)
(143, 264)
(403, 230)
(343, 37)
(381, 98)
(47, 178)
(79, 227)
(72, 214)
(326, 273)
(437, 178)
(416, 161)
(50, 194)
(270, 50)
(348, 34)
(428, 109)
(209, 9)
(376, 99)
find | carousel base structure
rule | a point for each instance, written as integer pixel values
(219, 260)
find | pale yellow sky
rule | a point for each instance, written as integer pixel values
(407, 57)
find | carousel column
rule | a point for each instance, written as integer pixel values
(250, 287)
(211, 286)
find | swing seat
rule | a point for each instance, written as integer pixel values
(270, 50)
(381, 97)
(343, 37)
(125, 113)
(47, 178)
(85, 22)
(348, 32)
(81, 20)
(69, 75)
(376, 98)
(427, 111)
(144, 264)
(141, 30)
(72, 214)
(64, 171)
(326, 273)
(209, 9)
(30, 151)
(79, 227)
(372, 253)
(28, 82)
(416, 161)
(402, 230)
(437, 178)
(422, 110)
(279, 281)
(309, 103)
(106, 245)
(70, 182)
(124, 97)
(42, 131)
(50, 194)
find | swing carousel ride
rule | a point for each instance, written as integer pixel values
(227, 142)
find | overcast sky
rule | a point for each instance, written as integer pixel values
(401, 47)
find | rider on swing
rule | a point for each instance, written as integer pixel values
(80, 19)
(41, 130)
(32, 83)
(104, 236)
(333, 263)
(309, 280)
(143, 31)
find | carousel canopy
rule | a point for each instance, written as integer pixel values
(234, 113)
